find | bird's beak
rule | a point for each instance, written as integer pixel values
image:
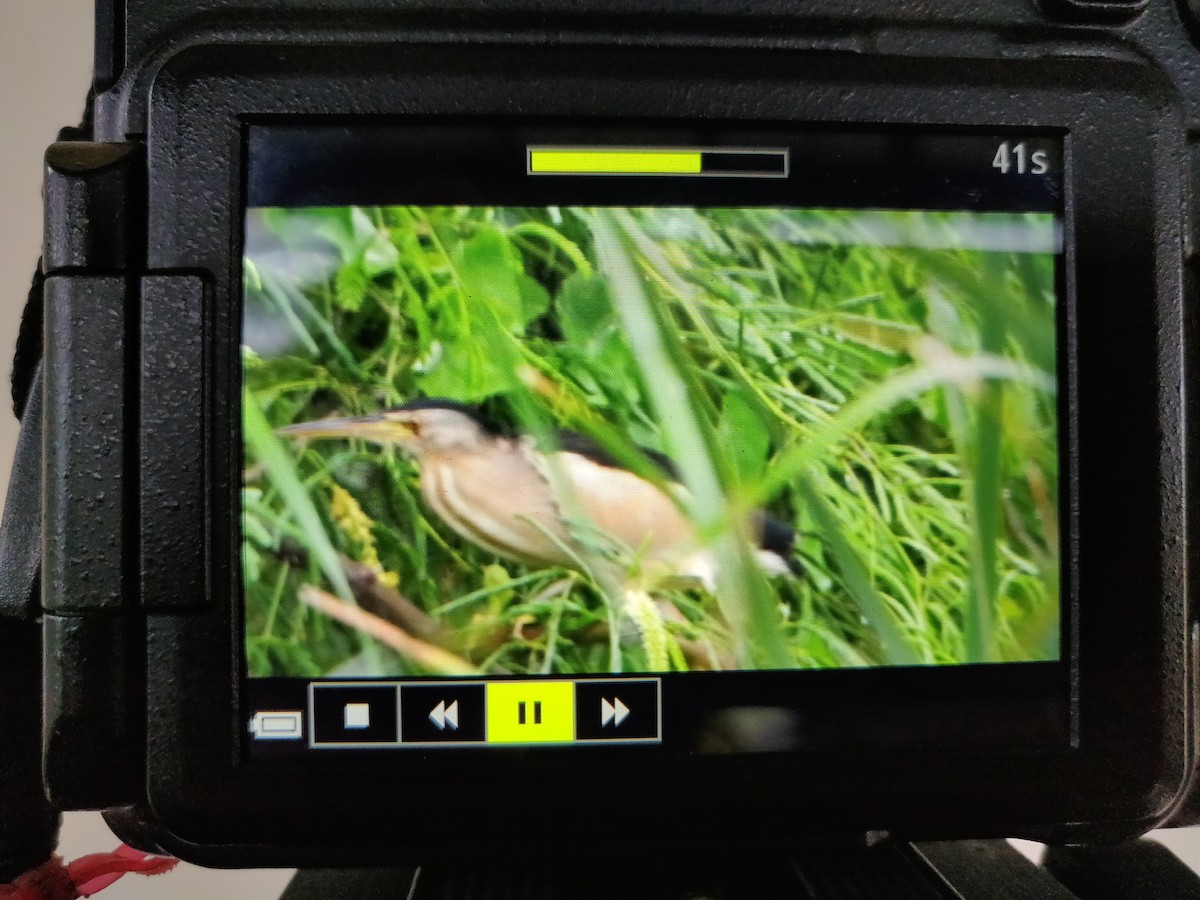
(377, 429)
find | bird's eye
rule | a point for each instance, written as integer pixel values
(415, 428)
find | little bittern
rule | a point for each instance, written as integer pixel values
(497, 492)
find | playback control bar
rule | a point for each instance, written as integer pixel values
(510, 712)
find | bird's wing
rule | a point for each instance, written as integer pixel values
(641, 518)
(582, 445)
(500, 501)
(775, 538)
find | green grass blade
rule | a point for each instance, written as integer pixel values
(266, 447)
(895, 646)
(690, 440)
(985, 502)
(904, 385)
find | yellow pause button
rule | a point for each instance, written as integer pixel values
(531, 712)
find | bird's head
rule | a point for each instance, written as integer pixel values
(419, 428)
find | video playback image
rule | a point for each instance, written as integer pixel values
(521, 441)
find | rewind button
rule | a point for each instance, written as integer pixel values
(446, 712)
(444, 716)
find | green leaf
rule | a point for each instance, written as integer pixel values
(251, 563)
(362, 227)
(336, 226)
(380, 255)
(414, 308)
(478, 356)
(256, 533)
(489, 276)
(467, 372)
(535, 299)
(585, 311)
(741, 429)
(497, 579)
(350, 288)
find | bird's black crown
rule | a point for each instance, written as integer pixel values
(474, 413)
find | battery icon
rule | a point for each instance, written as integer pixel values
(696, 162)
(287, 725)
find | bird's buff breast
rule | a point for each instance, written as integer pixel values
(504, 503)
(499, 502)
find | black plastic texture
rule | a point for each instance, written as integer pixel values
(1188, 813)
(137, 827)
(92, 208)
(1095, 11)
(1191, 14)
(21, 526)
(846, 873)
(1127, 137)
(85, 443)
(1139, 870)
(156, 30)
(173, 560)
(990, 870)
(27, 355)
(88, 211)
(93, 734)
(972, 870)
(28, 824)
(415, 55)
(369, 884)
(110, 42)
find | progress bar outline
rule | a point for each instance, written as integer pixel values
(631, 151)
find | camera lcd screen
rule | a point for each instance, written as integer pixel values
(697, 439)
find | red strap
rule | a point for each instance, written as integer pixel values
(94, 873)
(56, 880)
(49, 881)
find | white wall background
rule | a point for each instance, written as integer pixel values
(45, 68)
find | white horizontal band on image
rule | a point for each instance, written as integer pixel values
(922, 230)
(992, 232)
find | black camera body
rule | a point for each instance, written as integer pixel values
(139, 538)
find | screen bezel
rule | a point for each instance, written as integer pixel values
(1126, 658)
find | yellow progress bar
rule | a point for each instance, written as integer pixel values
(584, 161)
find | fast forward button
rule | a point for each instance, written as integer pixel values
(613, 712)
(624, 710)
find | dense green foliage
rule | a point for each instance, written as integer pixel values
(860, 375)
